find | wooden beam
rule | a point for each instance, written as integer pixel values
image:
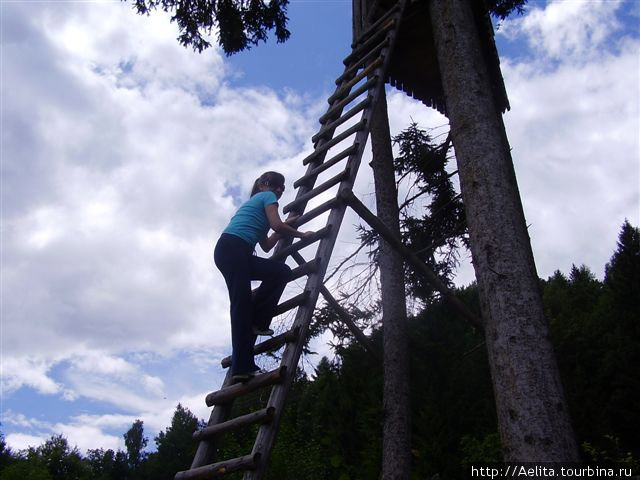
(219, 469)
(261, 416)
(303, 242)
(313, 173)
(348, 321)
(413, 260)
(342, 313)
(238, 389)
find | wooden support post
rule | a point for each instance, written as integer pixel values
(350, 199)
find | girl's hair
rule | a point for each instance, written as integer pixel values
(267, 179)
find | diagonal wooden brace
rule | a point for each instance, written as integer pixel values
(374, 222)
(342, 313)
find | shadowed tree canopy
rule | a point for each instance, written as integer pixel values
(503, 8)
(135, 441)
(240, 23)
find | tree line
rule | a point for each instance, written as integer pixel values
(332, 428)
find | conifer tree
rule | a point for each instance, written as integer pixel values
(135, 441)
(241, 24)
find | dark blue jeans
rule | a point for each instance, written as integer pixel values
(235, 259)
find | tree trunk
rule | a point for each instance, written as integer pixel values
(396, 433)
(532, 413)
(396, 430)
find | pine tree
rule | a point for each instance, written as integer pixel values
(240, 23)
(135, 441)
(175, 445)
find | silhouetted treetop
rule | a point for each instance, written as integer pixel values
(503, 8)
(240, 23)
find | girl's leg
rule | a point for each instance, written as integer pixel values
(274, 276)
(233, 259)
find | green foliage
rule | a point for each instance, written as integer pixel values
(135, 441)
(609, 452)
(480, 450)
(61, 461)
(503, 8)
(175, 446)
(436, 231)
(107, 464)
(595, 328)
(23, 469)
(332, 425)
(622, 273)
(6, 455)
(240, 23)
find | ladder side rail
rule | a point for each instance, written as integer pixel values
(206, 451)
(374, 26)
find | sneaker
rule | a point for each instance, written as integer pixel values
(267, 332)
(241, 377)
(245, 377)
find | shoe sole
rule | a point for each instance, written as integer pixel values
(263, 333)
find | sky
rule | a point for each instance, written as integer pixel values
(123, 155)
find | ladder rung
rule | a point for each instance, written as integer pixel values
(365, 47)
(337, 108)
(349, 72)
(303, 270)
(324, 166)
(346, 88)
(303, 199)
(292, 303)
(285, 252)
(319, 210)
(339, 121)
(238, 389)
(220, 468)
(274, 343)
(374, 26)
(261, 416)
(335, 140)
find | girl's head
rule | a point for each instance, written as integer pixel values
(272, 181)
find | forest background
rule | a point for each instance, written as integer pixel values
(332, 427)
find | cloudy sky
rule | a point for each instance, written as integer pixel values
(124, 155)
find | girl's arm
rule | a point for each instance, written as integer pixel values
(279, 227)
(267, 243)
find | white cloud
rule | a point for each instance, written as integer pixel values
(566, 30)
(27, 371)
(22, 441)
(86, 437)
(574, 132)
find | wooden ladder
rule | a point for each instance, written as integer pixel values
(350, 109)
